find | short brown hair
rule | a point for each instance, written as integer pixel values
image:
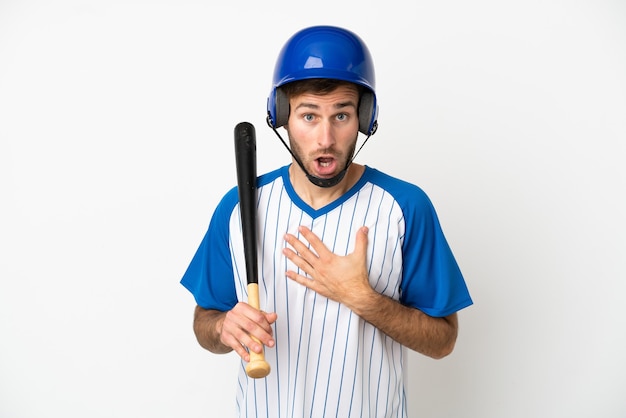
(316, 86)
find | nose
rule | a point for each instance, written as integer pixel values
(326, 135)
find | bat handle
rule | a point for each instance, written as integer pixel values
(257, 367)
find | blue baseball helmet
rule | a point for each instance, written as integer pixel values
(324, 52)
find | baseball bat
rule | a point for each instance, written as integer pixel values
(245, 155)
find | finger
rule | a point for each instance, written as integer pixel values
(249, 327)
(259, 319)
(231, 336)
(298, 260)
(257, 334)
(360, 246)
(247, 317)
(314, 240)
(242, 339)
(303, 280)
(296, 244)
(270, 317)
(232, 342)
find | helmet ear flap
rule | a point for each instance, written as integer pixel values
(282, 108)
(367, 113)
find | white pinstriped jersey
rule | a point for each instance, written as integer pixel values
(327, 361)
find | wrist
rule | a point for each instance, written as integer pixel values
(364, 301)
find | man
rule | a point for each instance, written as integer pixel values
(354, 267)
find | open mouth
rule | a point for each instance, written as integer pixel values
(326, 166)
(324, 162)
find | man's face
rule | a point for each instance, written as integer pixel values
(323, 130)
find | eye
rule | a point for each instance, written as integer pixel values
(342, 116)
(308, 117)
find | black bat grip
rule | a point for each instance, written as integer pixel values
(245, 157)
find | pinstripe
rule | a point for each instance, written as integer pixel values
(343, 368)
(272, 268)
(323, 236)
(337, 316)
(317, 363)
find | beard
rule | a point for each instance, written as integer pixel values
(308, 160)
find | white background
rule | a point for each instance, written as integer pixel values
(116, 142)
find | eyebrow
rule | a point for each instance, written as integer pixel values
(340, 105)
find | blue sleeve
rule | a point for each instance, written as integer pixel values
(432, 281)
(209, 276)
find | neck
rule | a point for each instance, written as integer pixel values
(318, 197)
